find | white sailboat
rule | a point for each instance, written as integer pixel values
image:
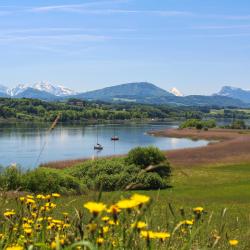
(98, 146)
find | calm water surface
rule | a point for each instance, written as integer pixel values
(22, 143)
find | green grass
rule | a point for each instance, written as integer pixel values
(212, 187)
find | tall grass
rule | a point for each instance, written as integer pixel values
(128, 223)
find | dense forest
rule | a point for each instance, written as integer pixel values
(77, 110)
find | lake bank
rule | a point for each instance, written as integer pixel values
(231, 146)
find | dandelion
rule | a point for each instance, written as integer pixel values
(92, 227)
(147, 234)
(105, 218)
(95, 207)
(127, 204)
(233, 242)
(112, 222)
(22, 199)
(28, 231)
(56, 195)
(105, 229)
(141, 199)
(53, 245)
(139, 225)
(161, 235)
(30, 201)
(9, 214)
(99, 241)
(40, 196)
(15, 248)
(198, 210)
(188, 222)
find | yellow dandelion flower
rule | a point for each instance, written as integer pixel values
(15, 248)
(28, 231)
(198, 210)
(105, 218)
(9, 214)
(30, 197)
(233, 242)
(99, 241)
(111, 222)
(30, 201)
(56, 195)
(113, 209)
(22, 199)
(40, 196)
(95, 207)
(92, 227)
(47, 197)
(66, 225)
(147, 234)
(161, 235)
(188, 222)
(140, 198)
(127, 204)
(1, 236)
(139, 225)
(105, 229)
(53, 245)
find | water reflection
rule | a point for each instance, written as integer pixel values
(22, 144)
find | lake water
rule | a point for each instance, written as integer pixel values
(29, 145)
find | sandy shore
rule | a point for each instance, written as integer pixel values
(232, 146)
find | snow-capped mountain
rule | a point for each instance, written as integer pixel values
(54, 90)
(175, 92)
(59, 90)
(234, 92)
(17, 90)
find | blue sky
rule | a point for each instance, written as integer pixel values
(194, 45)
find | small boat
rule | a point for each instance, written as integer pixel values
(98, 147)
(114, 137)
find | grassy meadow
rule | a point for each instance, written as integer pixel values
(221, 190)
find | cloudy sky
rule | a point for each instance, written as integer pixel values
(196, 46)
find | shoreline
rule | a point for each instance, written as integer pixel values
(231, 147)
(227, 146)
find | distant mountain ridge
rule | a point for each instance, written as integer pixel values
(234, 92)
(21, 89)
(138, 92)
(133, 91)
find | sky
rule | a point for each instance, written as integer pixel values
(196, 46)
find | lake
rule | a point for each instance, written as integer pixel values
(30, 145)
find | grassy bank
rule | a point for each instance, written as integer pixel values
(213, 188)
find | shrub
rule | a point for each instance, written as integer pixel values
(11, 178)
(145, 156)
(151, 181)
(198, 124)
(44, 180)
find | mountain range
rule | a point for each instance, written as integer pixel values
(138, 92)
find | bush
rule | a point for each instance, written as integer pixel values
(44, 181)
(119, 173)
(151, 181)
(11, 178)
(145, 156)
(198, 124)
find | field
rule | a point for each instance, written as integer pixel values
(222, 189)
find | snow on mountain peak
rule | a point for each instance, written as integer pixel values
(176, 92)
(53, 89)
(41, 86)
